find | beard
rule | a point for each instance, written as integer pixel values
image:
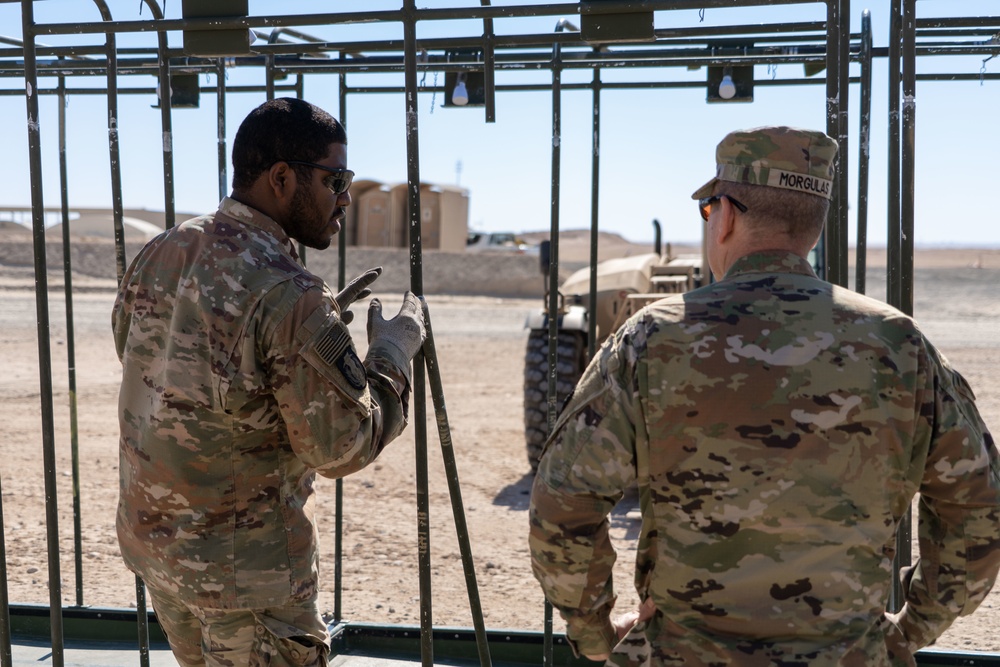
(307, 224)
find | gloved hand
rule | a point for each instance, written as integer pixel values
(397, 339)
(356, 289)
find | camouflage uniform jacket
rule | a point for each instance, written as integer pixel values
(778, 428)
(240, 381)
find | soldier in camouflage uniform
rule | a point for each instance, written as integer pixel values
(240, 383)
(778, 428)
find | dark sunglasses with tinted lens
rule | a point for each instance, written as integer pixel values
(339, 180)
(705, 205)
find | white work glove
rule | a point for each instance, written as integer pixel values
(356, 289)
(397, 339)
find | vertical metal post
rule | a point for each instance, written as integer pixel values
(861, 261)
(489, 70)
(6, 656)
(163, 63)
(220, 96)
(163, 58)
(864, 145)
(893, 284)
(419, 370)
(893, 220)
(117, 209)
(299, 93)
(42, 314)
(269, 64)
(832, 251)
(907, 194)
(553, 305)
(74, 439)
(595, 188)
(269, 74)
(338, 546)
(908, 162)
(843, 138)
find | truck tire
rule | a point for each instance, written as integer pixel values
(571, 359)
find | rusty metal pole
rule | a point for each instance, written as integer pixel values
(43, 329)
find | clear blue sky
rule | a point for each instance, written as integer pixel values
(657, 146)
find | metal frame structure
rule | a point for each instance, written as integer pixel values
(827, 44)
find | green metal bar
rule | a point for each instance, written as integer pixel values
(595, 191)
(893, 249)
(489, 67)
(447, 14)
(142, 626)
(893, 219)
(958, 22)
(142, 622)
(338, 546)
(168, 139)
(220, 96)
(553, 306)
(676, 35)
(114, 156)
(455, 489)
(43, 329)
(269, 73)
(74, 431)
(299, 93)
(908, 170)
(416, 286)
(861, 260)
(828, 255)
(6, 657)
(843, 137)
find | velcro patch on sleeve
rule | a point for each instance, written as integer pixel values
(330, 350)
(334, 347)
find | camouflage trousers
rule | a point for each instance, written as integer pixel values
(658, 642)
(273, 637)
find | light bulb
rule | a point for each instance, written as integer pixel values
(460, 96)
(727, 89)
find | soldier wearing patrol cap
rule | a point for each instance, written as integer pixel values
(778, 428)
(240, 382)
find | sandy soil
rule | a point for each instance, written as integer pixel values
(480, 345)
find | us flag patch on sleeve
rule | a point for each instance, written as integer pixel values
(334, 347)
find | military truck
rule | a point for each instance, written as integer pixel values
(624, 285)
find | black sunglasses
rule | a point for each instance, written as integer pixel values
(339, 181)
(705, 205)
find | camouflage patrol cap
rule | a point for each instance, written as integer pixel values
(781, 157)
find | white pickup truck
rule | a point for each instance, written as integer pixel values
(498, 242)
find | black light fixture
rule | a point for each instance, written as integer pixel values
(466, 88)
(214, 43)
(185, 91)
(629, 23)
(727, 83)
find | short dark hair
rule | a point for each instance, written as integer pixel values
(777, 211)
(282, 129)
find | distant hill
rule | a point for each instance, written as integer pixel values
(574, 245)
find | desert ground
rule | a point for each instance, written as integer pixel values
(477, 308)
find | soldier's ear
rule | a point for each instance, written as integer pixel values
(281, 180)
(725, 222)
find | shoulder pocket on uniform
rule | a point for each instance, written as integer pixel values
(330, 350)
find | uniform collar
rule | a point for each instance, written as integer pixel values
(771, 261)
(251, 216)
